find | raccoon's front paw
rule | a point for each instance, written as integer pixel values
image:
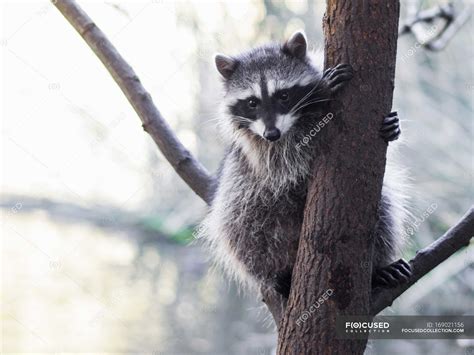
(392, 275)
(390, 129)
(338, 76)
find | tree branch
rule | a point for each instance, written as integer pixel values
(445, 12)
(188, 168)
(428, 258)
(453, 21)
(442, 40)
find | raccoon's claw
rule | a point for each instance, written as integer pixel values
(392, 275)
(338, 76)
(390, 129)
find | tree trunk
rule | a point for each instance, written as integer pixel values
(341, 208)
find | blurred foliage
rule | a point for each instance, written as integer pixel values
(155, 224)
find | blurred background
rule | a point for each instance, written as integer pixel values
(97, 229)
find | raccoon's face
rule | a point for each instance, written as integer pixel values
(268, 89)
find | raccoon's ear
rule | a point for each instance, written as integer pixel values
(225, 65)
(296, 45)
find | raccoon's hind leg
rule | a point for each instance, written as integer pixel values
(392, 275)
(385, 272)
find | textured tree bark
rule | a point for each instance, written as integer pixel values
(341, 208)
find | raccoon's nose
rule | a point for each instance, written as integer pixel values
(272, 134)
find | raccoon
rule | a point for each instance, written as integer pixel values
(273, 96)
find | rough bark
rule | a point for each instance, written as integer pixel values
(343, 197)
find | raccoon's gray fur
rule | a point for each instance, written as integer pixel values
(255, 218)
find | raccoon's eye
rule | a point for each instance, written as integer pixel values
(283, 96)
(252, 103)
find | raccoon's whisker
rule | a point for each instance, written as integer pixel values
(295, 107)
(304, 97)
(242, 119)
(242, 122)
(310, 102)
(307, 95)
(302, 107)
(211, 120)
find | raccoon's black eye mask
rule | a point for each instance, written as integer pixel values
(297, 99)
